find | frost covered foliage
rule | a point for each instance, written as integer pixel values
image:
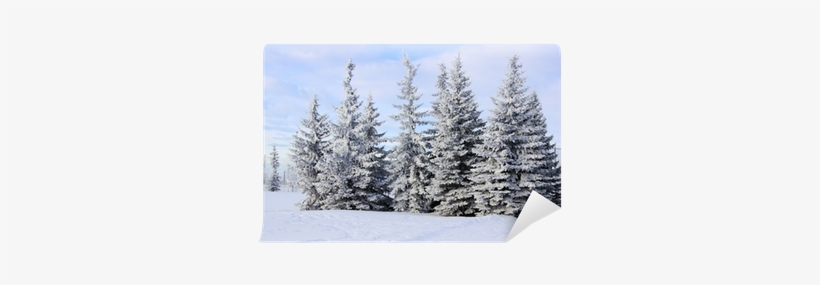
(537, 153)
(309, 146)
(555, 181)
(409, 159)
(346, 170)
(372, 159)
(273, 184)
(462, 166)
(517, 155)
(497, 175)
(458, 130)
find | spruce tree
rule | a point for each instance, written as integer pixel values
(496, 175)
(458, 131)
(372, 159)
(409, 159)
(342, 179)
(537, 153)
(309, 147)
(273, 185)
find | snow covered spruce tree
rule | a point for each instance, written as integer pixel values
(537, 154)
(309, 147)
(372, 160)
(343, 179)
(496, 175)
(458, 131)
(409, 174)
(273, 184)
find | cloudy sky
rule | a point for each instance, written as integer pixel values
(293, 73)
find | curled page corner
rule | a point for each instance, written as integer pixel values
(536, 208)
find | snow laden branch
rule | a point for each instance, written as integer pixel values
(409, 175)
(458, 131)
(309, 147)
(349, 173)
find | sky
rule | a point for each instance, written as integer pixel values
(293, 73)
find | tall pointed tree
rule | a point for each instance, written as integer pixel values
(458, 131)
(496, 176)
(409, 174)
(372, 159)
(537, 154)
(342, 179)
(273, 185)
(309, 147)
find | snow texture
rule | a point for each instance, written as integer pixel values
(284, 222)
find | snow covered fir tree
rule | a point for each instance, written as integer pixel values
(409, 173)
(540, 171)
(458, 130)
(497, 174)
(346, 172)
(465, 163)
(517, 156)
(273, 183)
(309, 147)
(373, 160)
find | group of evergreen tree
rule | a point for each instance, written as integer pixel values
(462, 166)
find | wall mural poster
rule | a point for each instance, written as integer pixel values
(409, 143)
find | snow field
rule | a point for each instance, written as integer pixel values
(284, 222)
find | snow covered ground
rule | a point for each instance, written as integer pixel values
(283, 222)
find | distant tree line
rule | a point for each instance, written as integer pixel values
(272, 180)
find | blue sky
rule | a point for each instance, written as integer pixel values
(293, 73)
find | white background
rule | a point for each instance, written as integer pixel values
(131, 132)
